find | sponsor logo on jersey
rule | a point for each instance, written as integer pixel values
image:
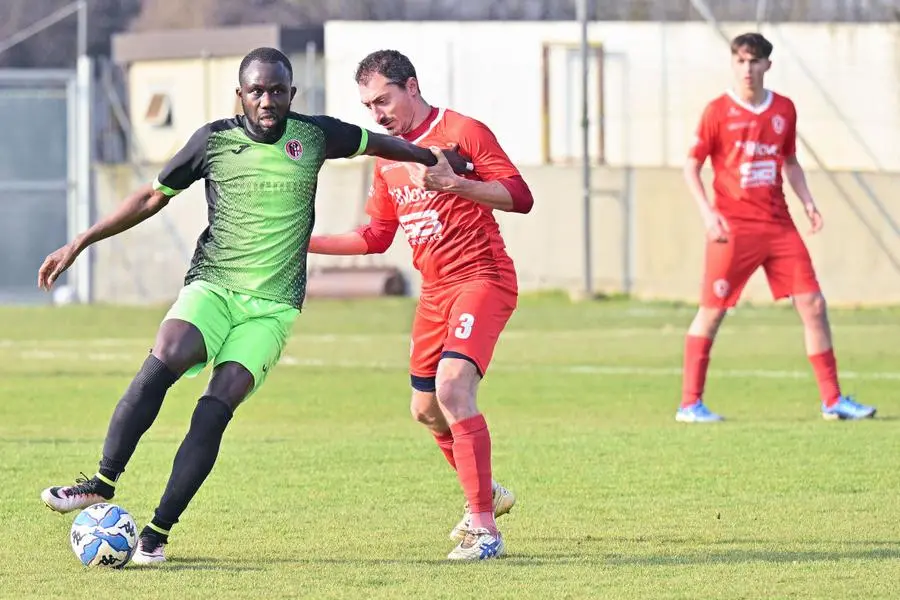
(411, 195)
(421, 227)
(755, 149)
(759, 174)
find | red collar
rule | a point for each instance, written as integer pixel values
(423, 126)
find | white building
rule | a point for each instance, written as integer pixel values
(649, 82)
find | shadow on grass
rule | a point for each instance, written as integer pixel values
(204, 563)
(708, 553)
(684, 551)
(200, 563)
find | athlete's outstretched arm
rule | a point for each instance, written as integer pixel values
(510, 194)
(139, 206)
(497, 184)
(395, 148)
(341, 244)
(373, 238)
(187, 166)
(343, 140)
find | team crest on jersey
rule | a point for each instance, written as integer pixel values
(778, 123)
(294, 149)
(720, 288)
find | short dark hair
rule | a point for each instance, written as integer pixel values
(391, 64)
(755, 43)
(265, 55)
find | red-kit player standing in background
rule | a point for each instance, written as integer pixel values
(749, 135)
(469, 285)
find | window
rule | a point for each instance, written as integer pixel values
(159, 111)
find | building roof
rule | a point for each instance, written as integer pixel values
(224, 41)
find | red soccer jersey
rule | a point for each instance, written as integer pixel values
(453, 239)
(747, 146)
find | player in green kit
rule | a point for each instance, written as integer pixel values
(246, 282)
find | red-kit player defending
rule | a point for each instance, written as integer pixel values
(749, 135)
(469, 285)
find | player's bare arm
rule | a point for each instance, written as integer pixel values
(340, 244)
(795, 175)
(396, 148)
(441, 178)
(136, 208)
(715, 224)
(375, 237)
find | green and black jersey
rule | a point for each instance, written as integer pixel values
(261, 200)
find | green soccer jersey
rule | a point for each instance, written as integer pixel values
(261, 200)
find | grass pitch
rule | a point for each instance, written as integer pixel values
(325, 488)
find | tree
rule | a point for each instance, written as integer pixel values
(55, 46)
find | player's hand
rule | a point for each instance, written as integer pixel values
(437, 178)
(816, 221)
(716, 227)
(55, 265)
(459, 163)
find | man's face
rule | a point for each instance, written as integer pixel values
(391, 105)
(266, 94)
(749, 71)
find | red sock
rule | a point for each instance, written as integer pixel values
(445, 443)
(472, 453)
(825, 367)
(696, 363)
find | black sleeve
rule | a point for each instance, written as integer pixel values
(187, 166)
(342, 140)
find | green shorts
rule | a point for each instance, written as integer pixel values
(236, 327)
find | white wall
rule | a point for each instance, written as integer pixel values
(654, 250)
(657, 78)
(201, 90)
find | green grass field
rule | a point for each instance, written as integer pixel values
(325, 488)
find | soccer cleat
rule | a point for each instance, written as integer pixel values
(696, 413)
(150, 550)
(479, 544)
(84, 493)
(847, 409)
(504, 500)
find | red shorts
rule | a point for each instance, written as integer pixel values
(778, 249)
(459, 321)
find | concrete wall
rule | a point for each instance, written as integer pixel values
(656, 79)
(654, 250)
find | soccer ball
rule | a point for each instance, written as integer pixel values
(64, 295)
(104, 535)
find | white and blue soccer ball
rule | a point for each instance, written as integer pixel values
(104, 535)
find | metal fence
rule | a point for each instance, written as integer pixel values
(38, 185)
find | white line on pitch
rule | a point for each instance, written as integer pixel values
(302, 337)
(291, 361)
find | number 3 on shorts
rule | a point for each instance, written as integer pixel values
(466, 321)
